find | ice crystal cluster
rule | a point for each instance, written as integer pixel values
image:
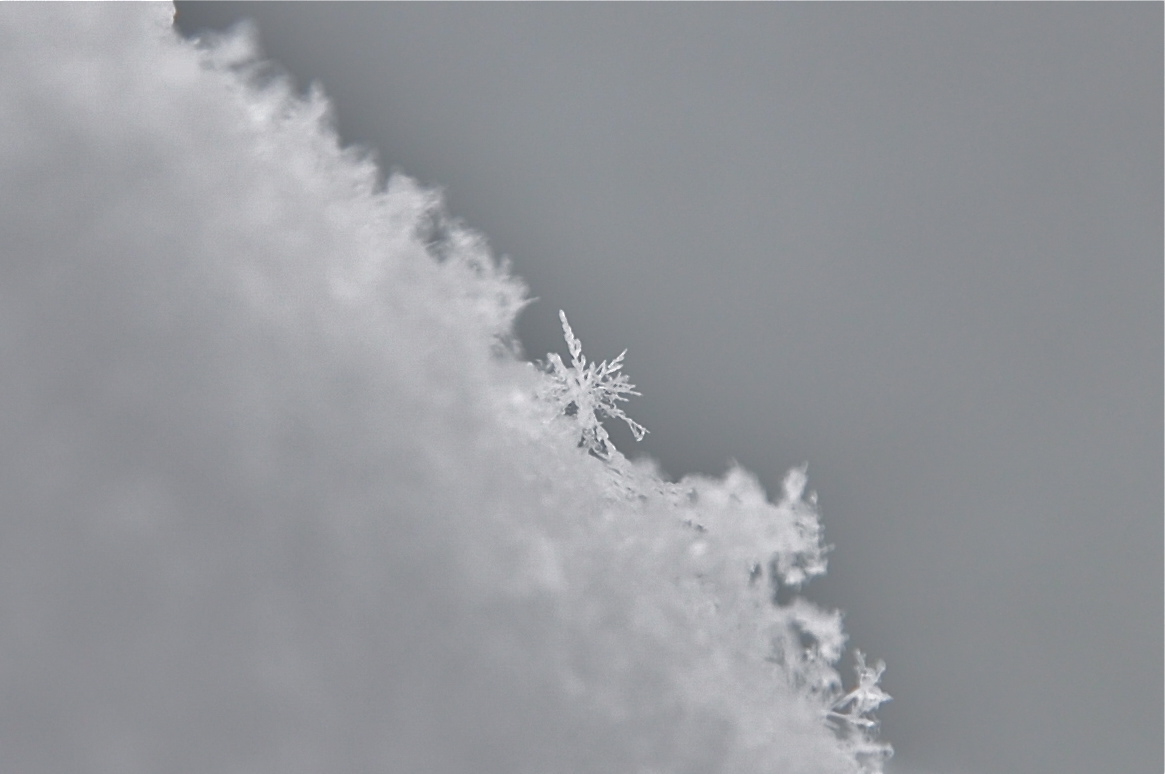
(279, 495)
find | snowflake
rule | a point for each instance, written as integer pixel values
(852, 718)
(588, 390)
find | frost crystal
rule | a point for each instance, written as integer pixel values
(852, 718)
(587, 390)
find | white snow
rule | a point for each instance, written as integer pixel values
(275, 495)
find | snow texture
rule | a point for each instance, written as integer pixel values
(279, 495)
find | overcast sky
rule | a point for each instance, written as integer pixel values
(916, 245)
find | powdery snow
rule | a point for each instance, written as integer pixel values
(279, 496)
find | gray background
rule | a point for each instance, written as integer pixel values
(917, 245)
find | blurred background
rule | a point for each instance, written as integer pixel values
(916, 245)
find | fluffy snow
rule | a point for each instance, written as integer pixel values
(279, 495)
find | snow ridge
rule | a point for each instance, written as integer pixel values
(280, 496)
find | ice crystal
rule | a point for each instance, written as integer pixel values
(587, 390)
(852, 718)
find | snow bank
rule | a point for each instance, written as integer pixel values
(277, 494)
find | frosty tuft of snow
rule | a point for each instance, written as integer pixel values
(277, 494)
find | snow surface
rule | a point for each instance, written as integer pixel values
(279, 494)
